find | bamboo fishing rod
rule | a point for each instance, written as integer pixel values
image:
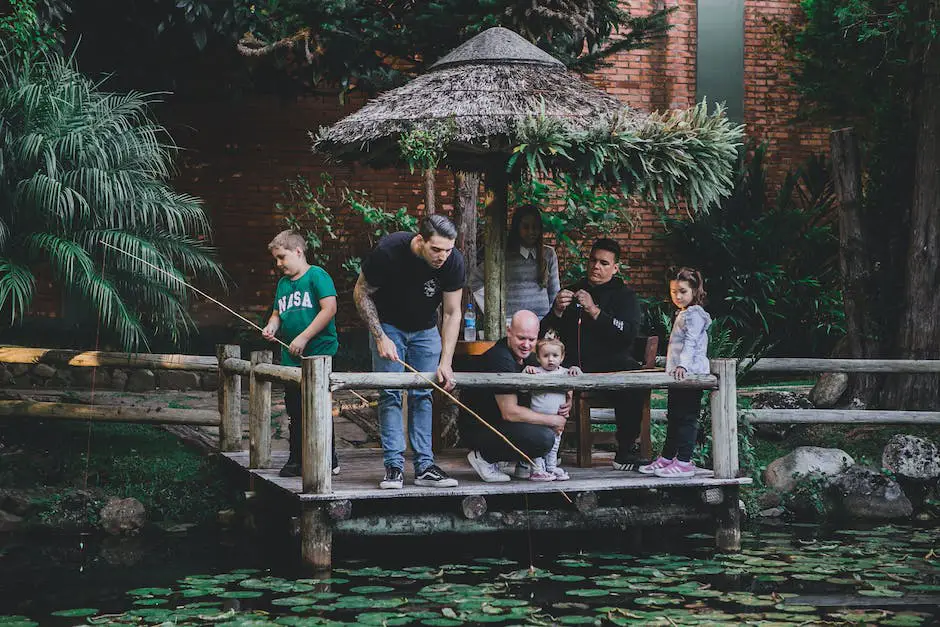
(402, 362)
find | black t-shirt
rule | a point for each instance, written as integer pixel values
(409, 290)
(483, 400)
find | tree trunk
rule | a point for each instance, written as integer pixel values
(429, 190)
(854, 255)
(494, 314)
(467, 192)
(919, 336)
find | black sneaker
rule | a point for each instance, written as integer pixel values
(394, 478)
(290, 469)
(630, 463)
(434, 477)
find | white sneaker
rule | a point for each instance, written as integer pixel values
(488, 472)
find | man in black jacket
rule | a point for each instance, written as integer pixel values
(598, 318)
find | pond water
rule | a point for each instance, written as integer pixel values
(794, 575)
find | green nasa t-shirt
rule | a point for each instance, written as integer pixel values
(298, 303)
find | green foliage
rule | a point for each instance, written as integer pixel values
(373, 44)
(308, 215)
(680, 154)
(575, 214)
(424, 149)
(309, 212)
(24, 35)
(770, 266)
(80, 167)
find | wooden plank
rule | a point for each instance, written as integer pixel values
(841, 416)
(522, 381)
(259, 414)
(422, 524)
(899, 366)
(284, 374)
(230, 398)
(22, 355)
(362, 470)
(110, 413)
(317, 434)
(724, 409)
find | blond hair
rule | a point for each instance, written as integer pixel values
(550, 339)
(289, 240)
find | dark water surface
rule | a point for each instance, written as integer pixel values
(795, 575)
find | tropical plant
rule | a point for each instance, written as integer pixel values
(770, 264)
(81, 168)
(307, 214)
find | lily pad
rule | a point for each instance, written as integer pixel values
(76, 612)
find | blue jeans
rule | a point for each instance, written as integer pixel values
(422, 351)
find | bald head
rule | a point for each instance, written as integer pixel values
(522, 333)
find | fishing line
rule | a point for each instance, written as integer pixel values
(408, 366)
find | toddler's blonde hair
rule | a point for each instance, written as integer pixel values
(551, 339)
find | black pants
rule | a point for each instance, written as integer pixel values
(294, 407)
(682, 409)
(533, 440)
(628, 411)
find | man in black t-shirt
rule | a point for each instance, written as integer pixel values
(598, 318)
(531, 432)
(402, 283)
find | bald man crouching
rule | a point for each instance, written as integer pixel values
(532, 432)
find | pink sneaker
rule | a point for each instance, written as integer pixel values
(650, 469)
(560, 474)
(676, 470)
(540, 475)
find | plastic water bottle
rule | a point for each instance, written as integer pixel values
(470, 324)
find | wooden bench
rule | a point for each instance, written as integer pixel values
(588, 410)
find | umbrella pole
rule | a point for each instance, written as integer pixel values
(494, 239)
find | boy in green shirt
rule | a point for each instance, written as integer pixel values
(303, 317)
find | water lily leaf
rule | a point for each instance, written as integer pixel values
(149, 592)
(78, 611)
(905, 620)
(441, 622)
(587, 592)
(576, 620)
(149, 602)
(371, 589)
(881, 592)
(566, 578)
(15, 620)
(294, 601)
(240, 594)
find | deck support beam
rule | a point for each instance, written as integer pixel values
(316, 460)
(724, 410)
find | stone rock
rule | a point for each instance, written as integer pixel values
(141, 381)
(783, 473)
(177, 380)
(123, 516)
(210, 381)
(6, 377)
(122, 551)
(769, 500)
(18, 370)
(780, 400)
(226, 517)
(16, 503)
(88, 377)
(118, 379)
(829, 389)
(44, 371)
(773, 512)
(865, 493)
(911, 457)
(9, 522)
(62, 378)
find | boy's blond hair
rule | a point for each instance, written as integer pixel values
(289, 240)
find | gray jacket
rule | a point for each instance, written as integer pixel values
(688, 342)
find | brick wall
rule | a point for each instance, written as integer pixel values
(238, 154)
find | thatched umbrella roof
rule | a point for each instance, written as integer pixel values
(482, 90)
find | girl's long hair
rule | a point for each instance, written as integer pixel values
(513, 241)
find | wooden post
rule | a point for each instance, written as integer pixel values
(494, 264)
(230, 399)
(316, 531)
(259, 414)
(316, 537)
(724, 409)
(317, 433)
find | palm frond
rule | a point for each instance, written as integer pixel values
(17, 285)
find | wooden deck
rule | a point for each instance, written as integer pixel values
(361, 470)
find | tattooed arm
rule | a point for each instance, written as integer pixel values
(362, 295)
